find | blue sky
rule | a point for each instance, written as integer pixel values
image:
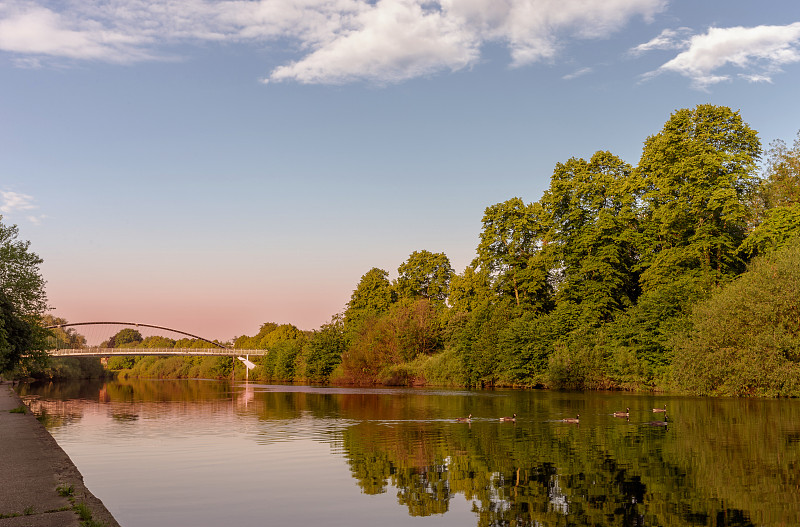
(211, 166)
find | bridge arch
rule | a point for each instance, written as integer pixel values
(137, 324)
(94, 351)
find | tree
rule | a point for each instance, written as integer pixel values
(745, 339)
(777, 207)
(510, 245)
(324, 350)
(16, 334)
(129, 336)
(22, 300)
(780, 224)
(425, 275)
(20, 279)
(698, 180)
(372, 296)
(781, 186)
(65, 337)
(281, 333)
(592, 240)
(469, 290)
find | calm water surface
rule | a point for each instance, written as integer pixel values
(205, 453)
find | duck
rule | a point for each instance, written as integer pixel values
(576, 419)
(626, 413)
(512, 419)
(465, 419)
(661, 409)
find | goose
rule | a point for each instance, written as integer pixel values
(626, 413)
(513, 418)
(661, 409)
(465, 419)
(572, 419)
(659, 423)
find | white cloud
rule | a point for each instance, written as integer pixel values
(339, 40)
(667, 39)
(13, 202)
(31, 29)
(579, 73)
(760, 51)
(396, 41)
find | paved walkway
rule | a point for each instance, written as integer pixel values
(32, 466)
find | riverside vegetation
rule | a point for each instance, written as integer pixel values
(680, 273)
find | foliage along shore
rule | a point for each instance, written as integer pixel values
(678, 274)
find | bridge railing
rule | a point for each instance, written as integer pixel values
(110, 352)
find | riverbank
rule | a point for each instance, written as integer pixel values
(41, 485)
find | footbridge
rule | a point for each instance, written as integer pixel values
(68, 343)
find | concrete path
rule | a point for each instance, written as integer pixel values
(32, 466)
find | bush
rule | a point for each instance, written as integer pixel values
(745, 339)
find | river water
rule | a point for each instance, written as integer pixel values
(208, 453)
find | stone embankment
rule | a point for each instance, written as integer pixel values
(39, 484)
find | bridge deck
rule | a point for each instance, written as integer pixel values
(111, 352)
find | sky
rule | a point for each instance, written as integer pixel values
(213, 165)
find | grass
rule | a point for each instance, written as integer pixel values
(18, 410)
(65, 489)
(85, 514)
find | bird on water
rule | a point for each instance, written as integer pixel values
(465, 419)
(626, 413)
(664, 410)
(512, 419)
(572, 419)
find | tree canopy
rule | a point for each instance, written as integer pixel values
(22, 298)
(698, 174)
(20, 278)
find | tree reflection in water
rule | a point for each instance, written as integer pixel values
(718, 463)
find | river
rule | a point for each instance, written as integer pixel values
(208, 453)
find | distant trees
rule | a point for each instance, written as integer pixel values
(126, 337)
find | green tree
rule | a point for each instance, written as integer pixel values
(593, 236)
(372, 296)
(779, 226)
(16, 334)
(781, 185)
(469, 290)
(281, 333)
(745, 338)
(22, 302)
(20, 279)
(424, 275)
(64, 337)
(698, 179)
(124, 338)
(157, 341)
(324, 350)
(510, 251)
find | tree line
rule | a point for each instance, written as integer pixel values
(678, 273)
